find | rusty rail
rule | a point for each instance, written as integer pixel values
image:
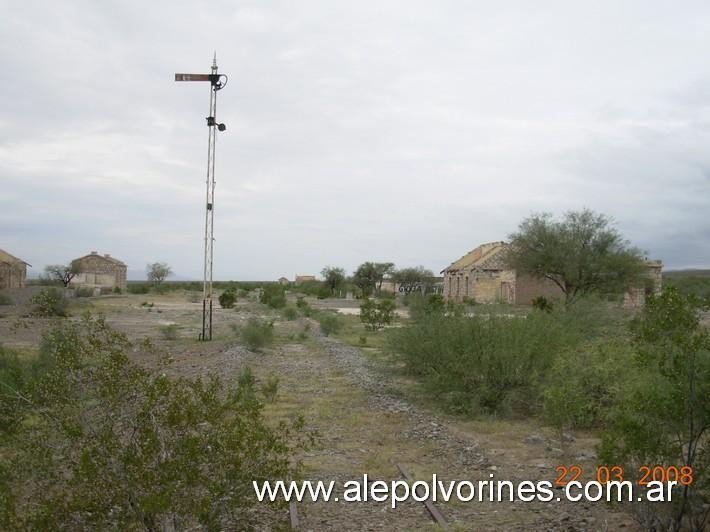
(434, 512)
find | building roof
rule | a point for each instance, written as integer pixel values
(476, 257)
(8, 258)
(105, 257)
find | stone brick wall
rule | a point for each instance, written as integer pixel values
(12, 275)
(100, 271)
(528, 288)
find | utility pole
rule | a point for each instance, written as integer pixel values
(217, 82)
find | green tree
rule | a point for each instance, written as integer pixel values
(365, 278)
(413, 276)
(333, 277)
(663, 416)
(95, 442)
(157, 272)
(382, 271)
(63, 273)
(581, 254)
(375, 315)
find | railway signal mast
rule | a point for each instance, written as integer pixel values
(217, 81)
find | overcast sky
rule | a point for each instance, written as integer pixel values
(401, 131)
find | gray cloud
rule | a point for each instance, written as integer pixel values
(403, 131)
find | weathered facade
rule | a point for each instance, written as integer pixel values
(304, 278)
(99, 271)
(482, 276)
(651, 283)
(13, 271)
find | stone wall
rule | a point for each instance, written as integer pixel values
(12, 275)
(100, 271)
(528, 288)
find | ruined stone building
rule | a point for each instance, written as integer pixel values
(100, 271)
(482, 276)
(651, 283)
(13, 271)
(304, 279)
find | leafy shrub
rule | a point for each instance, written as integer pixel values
(290, 313)
(582, 385)
(362, 339)
(541, 303)
(329, 323)
(274, 295)
(304, 332)
(663, 414)
(49, 302)
(270, 388)
(137, 288)
(257, 334)
(5, 299)
(169, 332)
(477, 363)
(101, 443)
(420, 306)
(117, 290)
(323, 292)
(228, 298)
(375, 315)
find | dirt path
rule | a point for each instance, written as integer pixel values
(368, 427)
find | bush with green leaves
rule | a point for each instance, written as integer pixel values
(228, 298)
(482, 363)
(257, 334)
(290, 313)
(273, 295)
(377, 314)
(663, 415)
(329, 323)
(49, 302)
(583, 383)
(95, 442)
(138, 288)
(270, 388)
(420, 306)
(5, 299)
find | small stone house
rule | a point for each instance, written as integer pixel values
(13, 271)
(304, 278)
(651, 283)
(482, 276)
(99, 271)
(283, 281)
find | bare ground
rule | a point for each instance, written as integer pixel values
(369, 420)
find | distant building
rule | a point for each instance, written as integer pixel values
(304, 278)
(13, 271)
(482, 275)
(99, 271)
(284, 281)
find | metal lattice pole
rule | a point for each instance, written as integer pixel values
(216, 84)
